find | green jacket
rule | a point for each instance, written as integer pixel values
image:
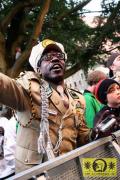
(92, 107)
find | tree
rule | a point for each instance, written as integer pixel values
(23, 23)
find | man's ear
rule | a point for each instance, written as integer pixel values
(112, 67)
(38, 70)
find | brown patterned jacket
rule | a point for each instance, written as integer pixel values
(23, 95)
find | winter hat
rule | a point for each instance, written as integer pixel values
(111, 59)
(102, 88)
(42, 47)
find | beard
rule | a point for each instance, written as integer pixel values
(55, 80)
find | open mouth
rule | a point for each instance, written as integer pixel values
(56, 67)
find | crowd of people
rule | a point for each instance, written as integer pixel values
(50, 118)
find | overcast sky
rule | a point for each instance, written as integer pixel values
(95, 5)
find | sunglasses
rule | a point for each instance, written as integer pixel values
(50, 56)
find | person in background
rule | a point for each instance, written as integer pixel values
(51, 116)
(18, 53)
(108, 93)
(113, 63)
(1, 142)
(92, 104)
(7, 163)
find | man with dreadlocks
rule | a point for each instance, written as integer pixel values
(51, 116)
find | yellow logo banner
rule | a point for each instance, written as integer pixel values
(102, 167)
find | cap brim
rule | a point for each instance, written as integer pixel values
(51, 47)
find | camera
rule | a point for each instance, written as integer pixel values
(106, 124)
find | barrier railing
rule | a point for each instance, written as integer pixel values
(69, 165)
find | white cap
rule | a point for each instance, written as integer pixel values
(38, 50)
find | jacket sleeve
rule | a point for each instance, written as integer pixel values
(92, 107)
(12, 94)
(83, 133)
(83, 130)
(89, 111)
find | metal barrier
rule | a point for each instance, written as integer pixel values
(69, 165)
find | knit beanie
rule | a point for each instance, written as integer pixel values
(102, 88)
(111, 59)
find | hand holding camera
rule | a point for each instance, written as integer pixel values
(104, 127)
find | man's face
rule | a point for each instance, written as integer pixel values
(113, 96)
(52, 66)
(116, 64)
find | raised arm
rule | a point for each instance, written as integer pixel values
(12, 93)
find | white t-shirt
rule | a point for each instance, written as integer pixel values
(8, 163)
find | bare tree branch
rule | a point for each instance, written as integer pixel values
(108, 51)
(2, 53)
(96, 43)
(39, 22)
(7, 19)
(37, 30)
(78, 7)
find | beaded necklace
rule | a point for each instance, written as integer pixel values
(44, 141)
